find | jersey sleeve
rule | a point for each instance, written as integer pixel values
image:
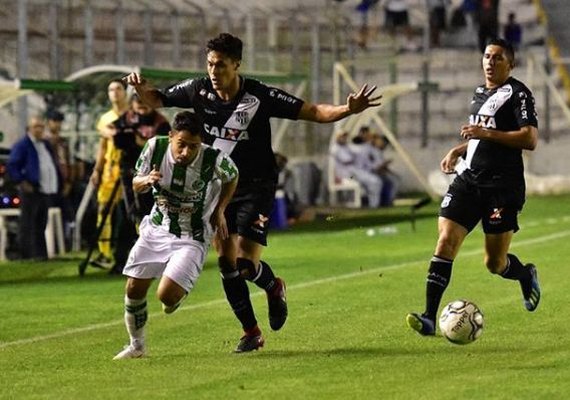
(225, 168)
(179, 95)
(524, 109)
(282, 104)
(142, 166)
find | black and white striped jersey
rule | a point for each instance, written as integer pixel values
(506, 108)
(241, 126)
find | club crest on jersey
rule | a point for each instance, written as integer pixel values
(484, 121)
(198, 185)
(242, 117)
(226, 133)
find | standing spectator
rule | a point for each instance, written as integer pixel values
(33, 166)
(106, 171)
(396, 21)
(60, 147)
(490, 188)
(236, 113)
(347, 166)
(437, 18)
(513, 32)
(488, 19)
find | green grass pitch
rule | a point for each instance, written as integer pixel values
(346, 336)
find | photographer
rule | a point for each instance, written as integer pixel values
(132, 130)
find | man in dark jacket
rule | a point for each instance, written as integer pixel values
(33, 166)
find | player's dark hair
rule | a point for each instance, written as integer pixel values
(227, 44)
(187, 121)
(509, 50)
(119, 80)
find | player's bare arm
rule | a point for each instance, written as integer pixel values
(525, 138)
(143, 183)
(218, 219)
(355, 103)
(148, 93)
(448, 163)
(99, 162)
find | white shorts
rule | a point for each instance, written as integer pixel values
(159, 253)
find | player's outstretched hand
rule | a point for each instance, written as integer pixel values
(134, 79)
(358, 102)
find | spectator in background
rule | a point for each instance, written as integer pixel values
(381, 167)
(60, 147)
(106, 171)
(488, 19)
(437, 18)
(396, 20)
(346, 167)
(33, 166)
(285, 182)
(513, 32)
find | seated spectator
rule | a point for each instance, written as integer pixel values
(285, 182)
(396, 21)
(381, 167)
(346, 167)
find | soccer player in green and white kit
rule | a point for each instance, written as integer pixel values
(192, 184)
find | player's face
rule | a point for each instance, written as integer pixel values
(496, 65)
(141, 108)
(116, 92)
(222, 70)
(185, 146)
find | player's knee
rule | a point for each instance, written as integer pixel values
(246, 268)
(447, 246)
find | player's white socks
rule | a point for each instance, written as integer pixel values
(136, 314)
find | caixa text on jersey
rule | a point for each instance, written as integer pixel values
(226, 133)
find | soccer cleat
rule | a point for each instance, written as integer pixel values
(130, 351)
(249, 343)
(170, 309)
(531, 289)
(421, 324)
(277, 304)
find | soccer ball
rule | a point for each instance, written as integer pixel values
(461, 322)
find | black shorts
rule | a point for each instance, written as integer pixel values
(248, 212)
(496, 208)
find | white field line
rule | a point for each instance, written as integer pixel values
(88, 328)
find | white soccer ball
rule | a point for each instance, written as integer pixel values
(461, 322)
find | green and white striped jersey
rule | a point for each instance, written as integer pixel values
(185, 196)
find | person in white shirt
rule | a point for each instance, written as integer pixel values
(192, 184)
(346, 160)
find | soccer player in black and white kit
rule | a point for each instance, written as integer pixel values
(489, 186)
(235, 112)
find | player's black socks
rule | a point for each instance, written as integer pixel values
(515, 270)
(265, 278)
(439, 274)
(237, 294)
